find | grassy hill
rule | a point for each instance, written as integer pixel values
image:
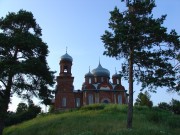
(100, 120)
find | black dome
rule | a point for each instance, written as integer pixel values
(66, 57)
(89, 74)
(100, 71)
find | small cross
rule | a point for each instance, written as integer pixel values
(66, 49)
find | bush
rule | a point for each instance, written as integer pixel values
(164, 106)
(173, 122)
(155, 116)
(23, 115)
(93, 107)
(144, 100)
(140, 108)
(175, 104)
(116, 108)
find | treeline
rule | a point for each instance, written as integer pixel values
(173, 106)
(144, 100)
(23, 112)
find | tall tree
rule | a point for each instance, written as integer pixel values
(23, 66)
(22, 107)
(144, 99)
(145, 46)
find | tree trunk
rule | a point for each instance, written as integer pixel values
(1, 126)
(130, 103)
(5, 103)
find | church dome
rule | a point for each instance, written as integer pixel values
(100, 71)
(116, 75)
(66, 57)
(89, 74)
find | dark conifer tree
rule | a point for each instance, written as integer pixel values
(23, 66)
(145, 46)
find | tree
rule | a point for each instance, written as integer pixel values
(144, 99)
(164, 106)
(145, 46)
(23, 66)
(175, 105)
(23, 113)
(22, 107)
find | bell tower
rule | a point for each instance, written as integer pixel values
(65, 65)
(64, 90)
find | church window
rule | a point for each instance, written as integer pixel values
(95, 79)
(101, 79)
(65, 69)
(77, 102)
(89, 80)
(64, 102)
(117, 81)
(119, 99)
(90, 99)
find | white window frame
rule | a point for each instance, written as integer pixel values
(78, 102)
(90, 80)
(118, 81)
(90, 99)
(64, 101)
(102, 79)
(119, 99)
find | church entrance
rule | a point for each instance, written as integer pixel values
(105, 101)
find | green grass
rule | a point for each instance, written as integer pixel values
(100, 119)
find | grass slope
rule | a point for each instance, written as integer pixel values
(100, 120)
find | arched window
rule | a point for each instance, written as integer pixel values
(119, 99)
(107, 80)
(117, 81)
(95, 79)
(77, 102)
(65, 69)
(64, 102)
(102, 79)
(90, 99)
(90, 80)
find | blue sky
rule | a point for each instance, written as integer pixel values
(79, 24)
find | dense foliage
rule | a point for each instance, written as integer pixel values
(143, 99)
(173, 106)
(145, 46)
(23, 66)
(23, 113)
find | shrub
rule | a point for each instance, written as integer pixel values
(93, 107)
(144, 100)
(140, 108)
(173, 122)
(116, 108)
(175, 104)
(22, 115)
(164, 106)
(155, 116)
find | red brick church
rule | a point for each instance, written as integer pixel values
(97, 87)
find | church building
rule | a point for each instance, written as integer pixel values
(97, 87)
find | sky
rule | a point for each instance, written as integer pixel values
(79, 25)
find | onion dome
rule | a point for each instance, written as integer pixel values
(116, 75)
(100, 71)
(66, 57)
(89, 74)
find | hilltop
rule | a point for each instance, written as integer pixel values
(100, 119)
